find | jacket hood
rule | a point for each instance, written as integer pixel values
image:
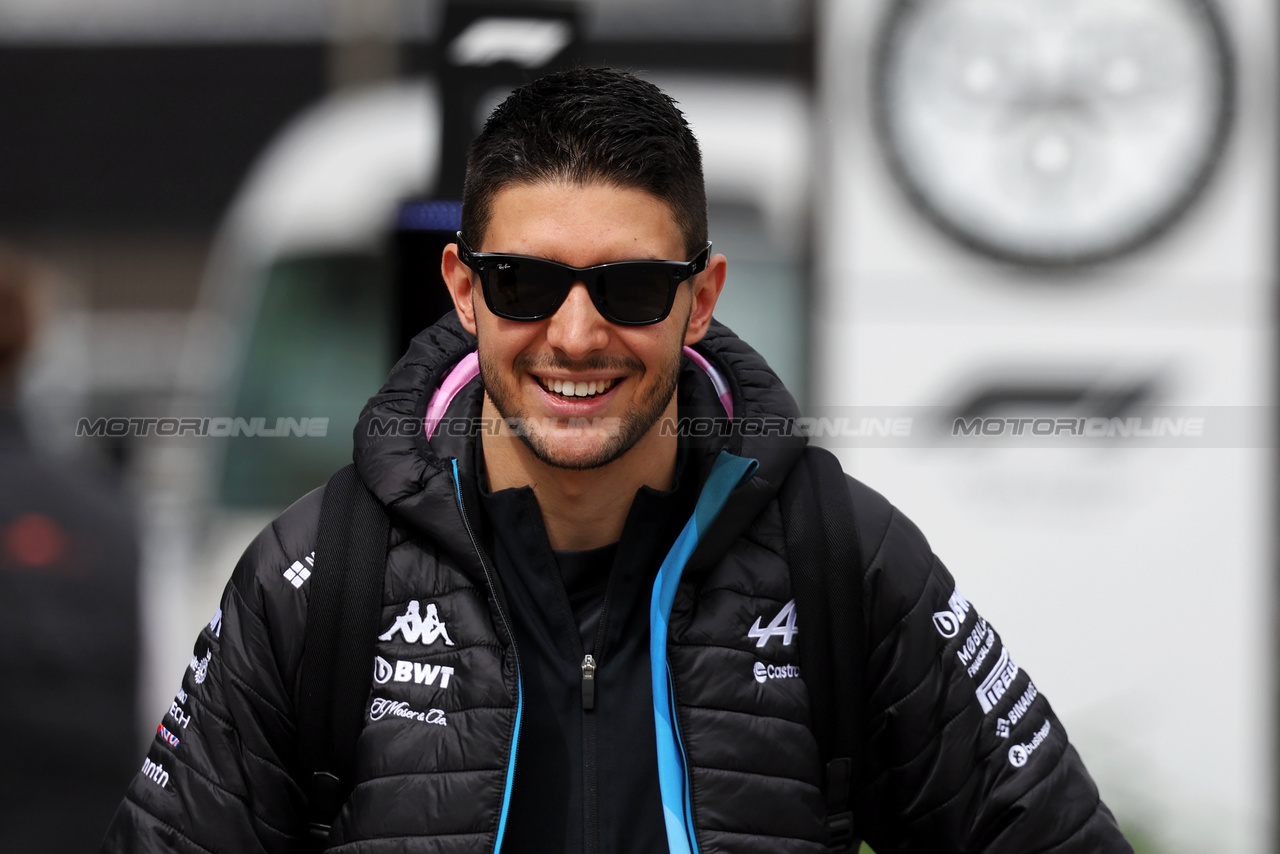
(729, 399)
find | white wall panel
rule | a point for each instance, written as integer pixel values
(1131, 582)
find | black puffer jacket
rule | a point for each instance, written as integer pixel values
(965, 755)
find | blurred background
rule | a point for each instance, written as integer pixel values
(935, 211)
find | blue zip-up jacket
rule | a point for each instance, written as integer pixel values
(964, 753)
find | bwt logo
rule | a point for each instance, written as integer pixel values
(410, 671)
(948, 622)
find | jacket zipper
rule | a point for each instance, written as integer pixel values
(588, 683)
(590, 759)
(590, 667)
(590, 793)
(497, 602)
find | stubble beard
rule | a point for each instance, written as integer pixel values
(632, 426)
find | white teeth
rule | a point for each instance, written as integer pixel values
(582, 389)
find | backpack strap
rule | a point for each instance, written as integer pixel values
(826, 577)
(344, 607)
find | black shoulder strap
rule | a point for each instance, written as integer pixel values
(826, 576)
(343, 611)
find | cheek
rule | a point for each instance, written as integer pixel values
(501, 342)
(663, 347)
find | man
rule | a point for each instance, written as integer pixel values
(589, 622)
(68, 616)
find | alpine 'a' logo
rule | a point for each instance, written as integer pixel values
(417, 628)
(783, 626)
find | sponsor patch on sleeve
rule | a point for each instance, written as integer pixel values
(1005, 725)
(949, 621)
(155, 772)
(166, 736)
(991, 689)
(1020, 753)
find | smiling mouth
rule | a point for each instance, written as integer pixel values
(568, 388)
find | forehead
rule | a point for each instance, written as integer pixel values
(582, 224)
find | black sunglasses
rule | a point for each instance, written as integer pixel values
(630, 293)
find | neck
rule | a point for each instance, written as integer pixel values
(581, 509)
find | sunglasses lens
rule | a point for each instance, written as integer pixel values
(633, 294)
(522, 289)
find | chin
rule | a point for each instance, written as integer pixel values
(577, 453)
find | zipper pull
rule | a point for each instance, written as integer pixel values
(588, 682)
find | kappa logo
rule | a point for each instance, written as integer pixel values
(417, 628)
(1020, 753)
(410, 671)
(948, 622)
(200, 667)
(782, 626)
(166, 736)
(297, 573)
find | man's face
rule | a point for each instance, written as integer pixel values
(634, 369)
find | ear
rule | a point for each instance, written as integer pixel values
(460, 282)
(706, 291)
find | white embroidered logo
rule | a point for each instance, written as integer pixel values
(296, 574)
(1020, 753)
(764, 672)
(155, 772)
(948, 622)
(410, 671)
(200, 666)
(416, 628)
(997, 682)
(783, 626)
(381, 707)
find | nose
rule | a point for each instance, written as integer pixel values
(577, 329)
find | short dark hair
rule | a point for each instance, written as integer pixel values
(588, 125)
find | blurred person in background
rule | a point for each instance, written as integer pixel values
(590, 592)
(68, 620)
